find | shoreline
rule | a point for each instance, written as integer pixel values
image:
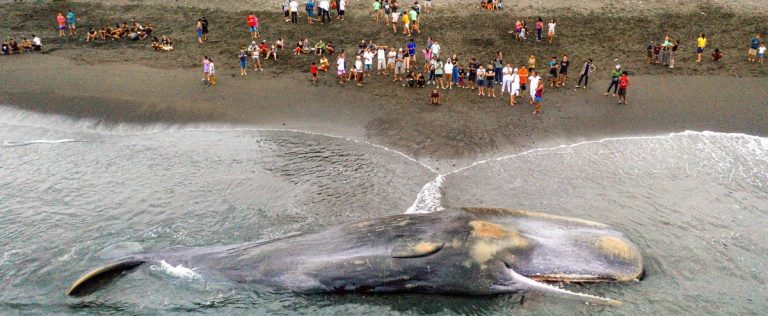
(461, 131)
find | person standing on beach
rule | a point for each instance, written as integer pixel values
(62, 24)
(515, 92)
(551, 31)
(211, 73)
(701, 43)
(673, 53)
(71, 23)
(506, 79)
(449, 71)
(586, 70)
(243, 58)
(539, 91)
(293, 7)
(255, 51)
(535, 81)
(563, 75)
(342, 7)
(199, 30)
(471, 74)
(204, 24)
(313, 71)
(552, 72)
(325, 12)
(539, 29)
(310, 8)
(615, 74)
(498, 67)
(754, 44)
(760, 53)
(413, 15)
(623, 86)
(206, 68)
(523, 73)
(253, 26)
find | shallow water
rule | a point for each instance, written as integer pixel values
(75, 193)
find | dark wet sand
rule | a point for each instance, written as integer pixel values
(466, 128)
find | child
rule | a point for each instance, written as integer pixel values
(761, 53)
(211, 72)
(313, 71)
(324, 66)
(623, 85)
(206, 68)
(717, 55)
(434, 98)
(243, 59)
(537, 97)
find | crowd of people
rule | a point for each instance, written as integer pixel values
(11, 46)
(133, 32)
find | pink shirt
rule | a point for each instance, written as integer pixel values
(206, 65)
(61, 20)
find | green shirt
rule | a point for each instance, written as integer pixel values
(615, 74)
(413, 15)
(376, 5)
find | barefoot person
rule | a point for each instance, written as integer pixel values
(313, 71)
(211, 73)
(563, 75)
(551, 31)
(71, 23)
(701, 43)
(206, 68)
(754, 45)
(62, 21)
(537, 96)
(434, 97)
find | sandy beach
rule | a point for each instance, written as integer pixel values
(126, 81)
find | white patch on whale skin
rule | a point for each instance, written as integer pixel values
(179, 271)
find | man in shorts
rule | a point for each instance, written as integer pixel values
(701, 43)
(754, 44)
(623, 85)
(253, 26)
(71, 23)
(381, 60)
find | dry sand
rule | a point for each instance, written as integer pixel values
(127, 81)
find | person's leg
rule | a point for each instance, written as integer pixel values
(586, 81)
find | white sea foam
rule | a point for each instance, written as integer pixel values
(38, 142)
(178, 271)
(430, 198)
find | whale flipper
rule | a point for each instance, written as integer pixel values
(92, 281)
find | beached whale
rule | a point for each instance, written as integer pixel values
(460, 251)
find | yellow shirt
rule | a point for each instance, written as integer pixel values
(406, 19)
(702, 42)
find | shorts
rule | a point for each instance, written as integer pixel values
(553, 72)
(72, 25)
(472, 77)
(564, 72)
(62, 27)
(522, 87)
(760, 55)
(438, 75)
(537, 99)
(368, 67)
(341, 72)
(699, 50)
(390, 61)
(314, 75)
(253, 29)
(480, 82)
(489, 83)
(341, 12)
(199, 33)
(286, 13)
(752, 52)
(399, 68)
(622, 91)
(242, 64)
(311, 14)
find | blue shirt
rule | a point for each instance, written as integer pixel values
(310, 6)
(411, 48)
(755, 43)
(71, 17)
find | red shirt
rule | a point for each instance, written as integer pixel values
(623, 82)
(264, 47)
(313, 69)
(60, 19)
(251, 21)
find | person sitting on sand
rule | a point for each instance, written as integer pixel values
(156, 43)
(37, 44)
(26, 45)
(324, 65)
(717, 55)
(91, 35)
(299, 47)
(103, 33)
(280, 43)
(272, 52)
(15, 49)
(434, 97)
(146, 31)
(6, 49)
(410, 80)
(420, 81)
(319, 47)
(329, 49)
(264, 48)
(166, 43)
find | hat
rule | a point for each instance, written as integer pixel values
(618, 67)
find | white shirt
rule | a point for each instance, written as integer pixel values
(368, 58)
(515, 81)
(36, 41)
(340, 64)
(342, 5)
(391, 54)
(435, 49)
(534, 83)
(294, 6)
(507, 73)
(551, 27)
(358, 65)
(381, 54)
(324, 4)
(449, 68)
(760, 50)
(211, 69)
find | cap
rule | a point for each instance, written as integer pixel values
(618, 66)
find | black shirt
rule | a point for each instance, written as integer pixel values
(564, 66)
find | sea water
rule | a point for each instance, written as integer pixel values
(696, 203)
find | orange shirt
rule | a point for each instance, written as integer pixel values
(60, 19)
(523, 73)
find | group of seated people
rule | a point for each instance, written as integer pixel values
(320, 48)
(135, 32)
(415, 80)
(267, 50)
(491, 5)
(11, 46)
(166, 44)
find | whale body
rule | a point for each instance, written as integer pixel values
(473, 251)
